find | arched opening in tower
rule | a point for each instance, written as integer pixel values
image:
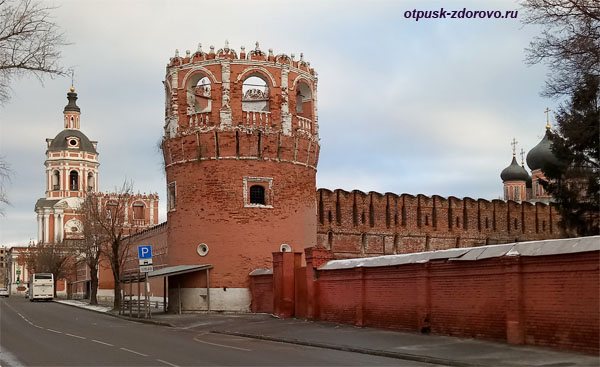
(74, 181)
(56, 180)
(90, 182)
(303, 100)
(199, 94)
(255, 94)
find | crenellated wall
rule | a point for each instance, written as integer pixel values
(355, 223)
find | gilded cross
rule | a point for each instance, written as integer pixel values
(514, 145)
(547, 112)
(522, 157)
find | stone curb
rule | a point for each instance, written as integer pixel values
(345, 348)
(81, 308)
(113, 314)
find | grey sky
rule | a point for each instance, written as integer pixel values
(419, 107)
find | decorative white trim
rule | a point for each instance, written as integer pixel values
(308, 81)
(260, 69)
(201, 69)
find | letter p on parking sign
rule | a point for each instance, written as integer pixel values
(145, 252)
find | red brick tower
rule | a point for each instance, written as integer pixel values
(241, 147)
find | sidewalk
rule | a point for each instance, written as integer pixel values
(434, 349)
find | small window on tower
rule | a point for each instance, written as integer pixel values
(171, 196)
(73, 142)
(112, 209)
(258, 192)
(138, 210)
(257, 195)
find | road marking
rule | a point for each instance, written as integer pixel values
(98, 341)
(75, 336)
(55, 331)
(195, 325)
(167, 363)
(134, 352)
(222, 345)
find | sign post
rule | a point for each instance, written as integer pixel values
(145, 261)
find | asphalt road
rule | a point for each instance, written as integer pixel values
(51, 334)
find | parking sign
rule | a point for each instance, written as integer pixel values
(145, 252)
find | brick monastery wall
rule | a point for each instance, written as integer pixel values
(356, 224)
(157, 237)
(548, 300)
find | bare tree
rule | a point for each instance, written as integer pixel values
(569, 43)
(30, 43)
(88, 248)
(5, 173)
(55, 258)
(108, 216)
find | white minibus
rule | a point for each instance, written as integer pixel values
(41, 286)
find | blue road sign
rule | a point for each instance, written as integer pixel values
(145, 252)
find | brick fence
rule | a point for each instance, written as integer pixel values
(550, 300)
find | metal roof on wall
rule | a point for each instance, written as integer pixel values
(177, 269)
(532, 248)
(168, 271)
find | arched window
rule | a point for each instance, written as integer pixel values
(74, 181)
(198, 94)
(303, 100)
(56, 180)
(111, 209)
(90, 181)
(257, 195)
(138, 210)
(255, 94)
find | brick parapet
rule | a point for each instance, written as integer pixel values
(357, 224)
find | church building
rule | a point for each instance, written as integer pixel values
(518, 184)
(71, 173)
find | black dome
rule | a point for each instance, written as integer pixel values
(514, 172)
(62, 142)
(541, 155)
(72, 105)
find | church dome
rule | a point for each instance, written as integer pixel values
(514, 172)
(72, 139)
(541, 155)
